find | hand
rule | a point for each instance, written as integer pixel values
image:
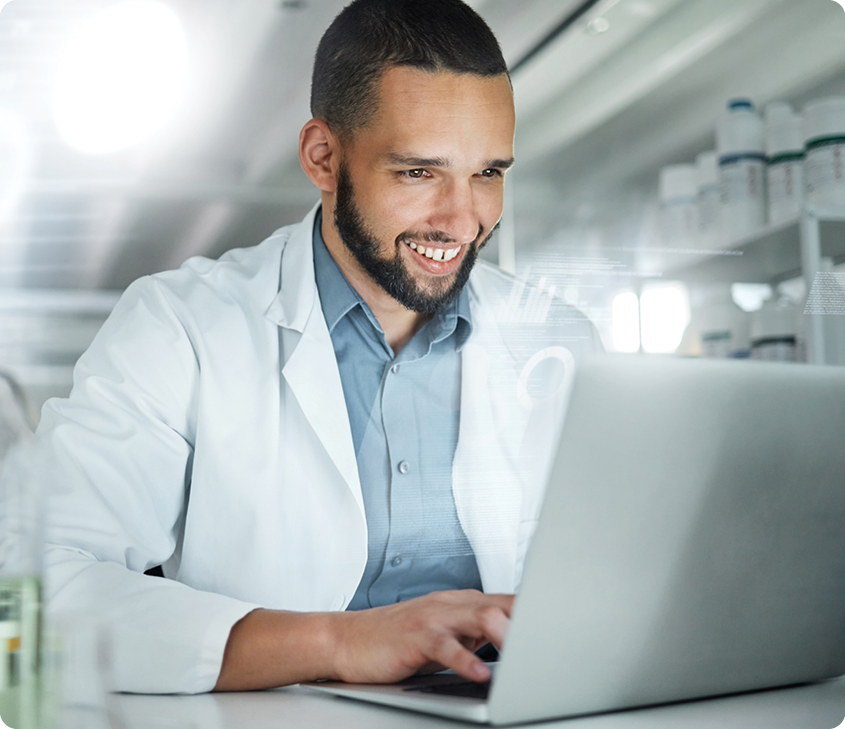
(381, 645)
(443, 629)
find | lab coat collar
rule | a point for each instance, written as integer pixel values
(307, 357)
(297, 289)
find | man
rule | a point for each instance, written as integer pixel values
(329, 439)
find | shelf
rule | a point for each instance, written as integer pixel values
(770, 256)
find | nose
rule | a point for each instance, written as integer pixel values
(455, 212)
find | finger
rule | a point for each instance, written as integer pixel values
(478, 600)
(473, 644)
(449, 652)
(495, 624)
(503, 602)
(477, 625)
(466, 610)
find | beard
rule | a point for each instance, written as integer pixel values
(391, 273)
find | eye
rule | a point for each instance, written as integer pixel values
(415, 174)
(491, 172)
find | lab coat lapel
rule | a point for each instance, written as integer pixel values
(309, 365)
(487, 478)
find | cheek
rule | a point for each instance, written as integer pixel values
(393, 212)
(489, 205)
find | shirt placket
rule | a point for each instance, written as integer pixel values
(403, 447)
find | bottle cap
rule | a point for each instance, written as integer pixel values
(740, 104)
(740, 130)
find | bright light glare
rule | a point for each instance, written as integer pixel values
(626, 322)
(750, 297)
(665, 315)
(597, 26)
(120, 76)
(14, 161)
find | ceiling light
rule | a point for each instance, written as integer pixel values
(120, 76)
(597, 26)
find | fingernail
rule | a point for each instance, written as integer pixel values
(481, 672)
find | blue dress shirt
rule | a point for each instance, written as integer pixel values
(404, 413)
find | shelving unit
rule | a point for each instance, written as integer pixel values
(775, 254)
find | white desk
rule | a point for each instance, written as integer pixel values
(817, 706)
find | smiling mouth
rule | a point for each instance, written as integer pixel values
(436, 254)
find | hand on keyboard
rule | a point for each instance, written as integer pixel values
(443, 629)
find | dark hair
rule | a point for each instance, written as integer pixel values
(371, 36)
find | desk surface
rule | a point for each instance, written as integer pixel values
(816, 706)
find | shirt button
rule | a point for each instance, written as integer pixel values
(396, 561)
(337, 603)
(404, 467)
(395, 369)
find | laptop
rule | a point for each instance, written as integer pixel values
(691, 544)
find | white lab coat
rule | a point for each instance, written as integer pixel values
(207, 431)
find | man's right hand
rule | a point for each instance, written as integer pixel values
(381, 645)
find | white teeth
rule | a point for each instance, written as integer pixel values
(437, 254)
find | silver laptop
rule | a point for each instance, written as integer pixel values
(691, 543)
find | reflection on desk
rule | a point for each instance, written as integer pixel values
(813, 706)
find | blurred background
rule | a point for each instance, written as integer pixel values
(136, 134)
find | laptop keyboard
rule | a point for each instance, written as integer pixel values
(466, 689)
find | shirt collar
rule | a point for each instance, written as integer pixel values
(455, 317)
(338, 297)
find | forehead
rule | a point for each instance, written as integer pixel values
(459, 114)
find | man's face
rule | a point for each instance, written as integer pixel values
(419, 190)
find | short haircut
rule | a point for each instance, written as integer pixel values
(371, 36)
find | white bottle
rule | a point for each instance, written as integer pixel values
(678, 212)
(824, 146)
(742, 169)
(774, 331)
(707, 199)
(718, 328)
(784, 163)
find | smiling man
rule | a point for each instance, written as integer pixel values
(429, 171)
(334, 443)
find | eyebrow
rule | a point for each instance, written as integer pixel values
(406, 161)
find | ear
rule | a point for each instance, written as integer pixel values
(319, 154)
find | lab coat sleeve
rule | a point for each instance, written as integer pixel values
(119, 451)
